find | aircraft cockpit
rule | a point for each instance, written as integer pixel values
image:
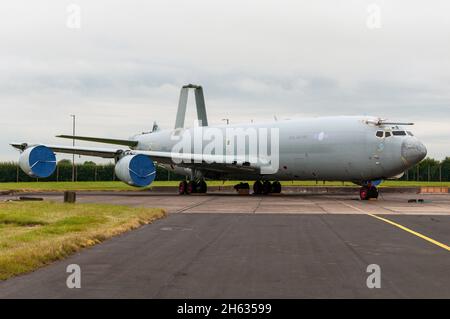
(386, 134)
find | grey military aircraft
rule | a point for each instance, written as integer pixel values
(362, 149)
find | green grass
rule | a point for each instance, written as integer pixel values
(34, 234)
(414, 184)
(383, 184)
(119, 186)
(61, 186)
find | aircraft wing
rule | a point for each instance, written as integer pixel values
(129, 143)
(79, 150)
(218, 163)
(172, 158)
(230, 163)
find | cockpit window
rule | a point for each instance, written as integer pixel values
(399, 133)
(380, 133)
(410, 134)
(388, 134)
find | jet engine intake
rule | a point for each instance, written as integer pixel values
(136, 170)
(38, 161)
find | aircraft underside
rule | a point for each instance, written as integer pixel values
(197, 180)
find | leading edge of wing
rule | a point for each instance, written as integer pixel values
(128, 143)
(78, 150)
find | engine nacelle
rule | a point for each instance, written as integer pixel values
(136, 170)
(38, 161)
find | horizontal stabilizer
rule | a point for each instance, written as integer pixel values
(101, 140)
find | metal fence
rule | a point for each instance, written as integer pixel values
(428, 170)
(10, 172)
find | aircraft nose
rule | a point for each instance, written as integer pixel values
(413, 151)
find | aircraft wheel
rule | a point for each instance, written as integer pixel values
(182, 187)
(257, 188)
(276, 187)
(364, 193)
(191, 187)
(373, 192)
(267, 187)
(202, 187)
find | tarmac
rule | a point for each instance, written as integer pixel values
(223, 245)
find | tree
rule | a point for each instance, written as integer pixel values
(446, 169)
(65, 162)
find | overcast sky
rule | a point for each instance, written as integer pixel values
(123, 68)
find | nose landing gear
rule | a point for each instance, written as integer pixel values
(368, 192)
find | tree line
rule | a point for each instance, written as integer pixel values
(428, 170)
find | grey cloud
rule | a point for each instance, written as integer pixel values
(124, 67)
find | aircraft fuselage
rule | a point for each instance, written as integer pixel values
(323, 148)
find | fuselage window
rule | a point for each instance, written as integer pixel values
(399, 133)
(379, 133)
(388, 134)
(410, 134)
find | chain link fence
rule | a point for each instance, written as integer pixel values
(86, 172)
(428, 170)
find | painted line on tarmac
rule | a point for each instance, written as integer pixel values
(186, 208)
(431, 240)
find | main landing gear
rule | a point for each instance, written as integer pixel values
(368, 192)
(266, 187)
(190, 187)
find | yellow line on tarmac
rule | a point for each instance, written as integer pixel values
(431, 240)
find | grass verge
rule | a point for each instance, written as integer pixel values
(35, 234)
(119, 186)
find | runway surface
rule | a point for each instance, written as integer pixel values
(286, 246)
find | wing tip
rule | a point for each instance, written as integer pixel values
(19, 146)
